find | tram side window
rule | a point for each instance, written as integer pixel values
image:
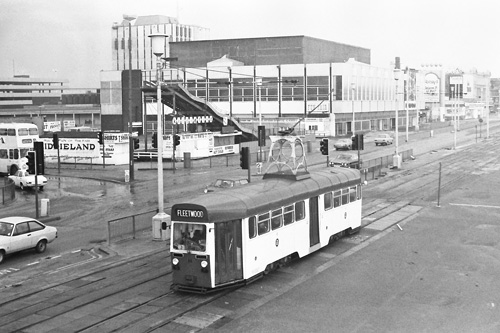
(263, 225)
(359, 191)
(288, 215)
(4, 154)
(300, 210)
(328, 200)
(336, 198)
(252, 227)
(276, 219)
(352, 194)
(345, 196)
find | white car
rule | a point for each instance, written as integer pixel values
(22, 233)
(383, 139)
(23, 179)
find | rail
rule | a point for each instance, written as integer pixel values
(8, 191)
(126, 227)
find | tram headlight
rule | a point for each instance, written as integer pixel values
(175, 261)
(204, 264)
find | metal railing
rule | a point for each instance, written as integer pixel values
(8, 191)
(127, 227)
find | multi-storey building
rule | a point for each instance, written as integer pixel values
(136, 33)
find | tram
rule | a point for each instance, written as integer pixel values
(222, 239)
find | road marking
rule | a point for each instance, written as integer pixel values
(475, 206)
(33, 263)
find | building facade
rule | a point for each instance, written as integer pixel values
(136, 35)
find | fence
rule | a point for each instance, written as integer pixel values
(8, 191)
(127, 227)
(374, 168)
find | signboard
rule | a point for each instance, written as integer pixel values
(69, 123)
(431, 88)
(52, 126)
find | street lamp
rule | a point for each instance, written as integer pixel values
(130, 18)
(396, 160)
(353, 90)
(158, 46)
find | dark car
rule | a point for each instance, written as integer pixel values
(345, 160)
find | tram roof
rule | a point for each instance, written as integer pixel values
(271, 193)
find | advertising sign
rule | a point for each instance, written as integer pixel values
(431, 88)
(52, 126)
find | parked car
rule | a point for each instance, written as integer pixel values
(345, 144)
(383, 139)
(23, 179)
(23, 233)
(345, 160)
(225, 183)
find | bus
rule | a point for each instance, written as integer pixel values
(232, 237)
(16, 139)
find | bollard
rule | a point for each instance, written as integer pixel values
(187, 160)
(45, 207)
(127, 176)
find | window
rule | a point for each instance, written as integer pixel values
(11, 132)
(4, 154)
(252, 227)
(345, 196)
(359, 192)
(189, 236)
(3, 131)
(352, 194)
(276, 218)
(288, 215)
(263, 225)
(33, 131)
(336, 198)
(22, 132)
(300, 210)
(35, 226)
(21, 228)
(328, 201)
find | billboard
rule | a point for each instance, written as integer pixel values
(431, 87)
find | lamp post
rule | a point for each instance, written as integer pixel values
(158, 46)
(353, 90)
(130, 18)
(396, 161)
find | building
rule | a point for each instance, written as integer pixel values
(136, 33)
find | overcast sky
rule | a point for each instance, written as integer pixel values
(71, 39)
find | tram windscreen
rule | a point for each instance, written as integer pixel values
(190, 237)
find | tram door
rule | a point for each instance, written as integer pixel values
(228, 266)
(313, 221)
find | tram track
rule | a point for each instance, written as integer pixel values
(134, 296)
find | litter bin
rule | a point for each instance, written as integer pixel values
(45, 207)
(158, 232)
(127, 176)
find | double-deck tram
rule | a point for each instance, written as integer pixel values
(231, 237)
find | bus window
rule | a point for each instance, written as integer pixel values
(263, 226)
(4, 154)
(22, 131)
(13, 154)
(352, 194)
(33, 131)
(276, 219)
(189, 236)
(336, 199)
(288, 215)
(11, 132)
(3, 131)
(300, 210)
(252, 227)
(345, 196)
(328, 201)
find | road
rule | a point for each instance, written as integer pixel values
(438, 264)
